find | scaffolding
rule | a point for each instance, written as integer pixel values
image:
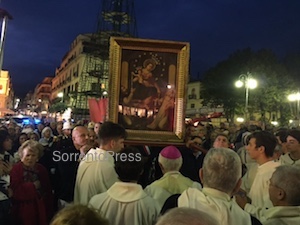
(116, 18)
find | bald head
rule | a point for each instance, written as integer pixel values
(186, 216)
(80, 136)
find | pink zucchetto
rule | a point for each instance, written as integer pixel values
(170, 152)
(170, 159)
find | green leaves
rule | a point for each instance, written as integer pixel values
(270, 96)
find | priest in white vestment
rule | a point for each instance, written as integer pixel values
(221, 177)
(261, 148)
(284, 193)
(96, 172)
(292, 157)
(172, 182)
(125, 202)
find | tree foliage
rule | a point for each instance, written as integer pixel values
(58, 107)
(270, 96)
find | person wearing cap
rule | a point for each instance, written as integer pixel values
(66, 138)
(221, 177)
(91, 125)
(292, 157)
(172, 182)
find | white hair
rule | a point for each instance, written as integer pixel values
(222, 168)
(287, 178)
(186, 216)
(170, 164)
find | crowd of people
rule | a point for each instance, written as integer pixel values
(84, 173)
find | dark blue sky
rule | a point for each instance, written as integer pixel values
(42, 30)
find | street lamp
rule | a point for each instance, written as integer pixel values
(61, 95)
(295, 97)
(248, 82)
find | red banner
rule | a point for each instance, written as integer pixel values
(98, 109)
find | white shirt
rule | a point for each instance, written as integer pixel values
(259, 192)
(282, 215)
(216, 203)
(287, 160)
(95, 175)
(126, 204)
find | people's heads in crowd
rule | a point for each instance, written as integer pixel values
(40, 127)
(5, 141)
(78, 215)
(91, 125)
(80, 136)
(170, 159)
(67, 129)
(92, 136)
(246, 138)
(27, 130)
(59, 125)
(221, 141)
(261, 145)
(277, 152)
(223, 125)
(47, 133)
(281, 136)
(129, 165)
(52, 125)
(186, 216)
(252, 128)
(112, 136)
(30, 152)
(284, 186)
(201, 129)
(193, 131)
(293, 141)
(18, 130)
(222, 170)
(34, 136)
(12, 132)
(192, 141)
(22, 138)
(97, 127)
(11, 124)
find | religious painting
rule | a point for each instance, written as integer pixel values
(147, 86)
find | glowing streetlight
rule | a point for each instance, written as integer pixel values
(248, 82)
(295, 97)
(61, 95)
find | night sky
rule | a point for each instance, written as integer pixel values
(42, 30)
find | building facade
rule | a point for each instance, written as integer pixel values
(6, 94)
(194, 101)
(42, 94)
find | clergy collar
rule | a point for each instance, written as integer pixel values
(216, 194)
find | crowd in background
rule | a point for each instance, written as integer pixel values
(221, 175)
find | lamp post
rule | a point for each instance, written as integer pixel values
(248, 82)
(295, 97)
(61, 95)
(5, 16)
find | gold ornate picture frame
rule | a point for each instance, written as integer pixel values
(147, 88)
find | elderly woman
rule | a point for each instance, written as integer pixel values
(32, 196)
